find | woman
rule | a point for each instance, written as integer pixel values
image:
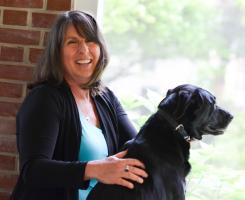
(69, 122)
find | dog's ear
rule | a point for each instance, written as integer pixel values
(168, 103)
(202, 100)
(169, 92)
(176, 102)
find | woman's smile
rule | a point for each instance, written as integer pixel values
(84, 61)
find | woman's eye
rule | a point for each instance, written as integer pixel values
(90, 40)
(72, 42)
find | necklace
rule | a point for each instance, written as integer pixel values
(87, 118)
(85, 105)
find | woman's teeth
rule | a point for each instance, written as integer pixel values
(87, 61)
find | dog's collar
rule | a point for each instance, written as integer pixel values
(177, 127)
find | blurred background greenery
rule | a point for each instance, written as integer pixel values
(157, 45)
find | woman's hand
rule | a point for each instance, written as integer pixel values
(116, 170)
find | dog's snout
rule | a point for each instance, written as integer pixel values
(224, 117)
(229, 117)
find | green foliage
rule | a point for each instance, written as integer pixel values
(210, 75)
(173, 26)
(209, 180)
(160, 29)
(139, 108)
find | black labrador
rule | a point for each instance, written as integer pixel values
(186, 113)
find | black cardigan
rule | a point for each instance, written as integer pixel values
(48, 141)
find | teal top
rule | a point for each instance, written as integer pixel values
(93, 147)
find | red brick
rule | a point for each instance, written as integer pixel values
(11, 54)
(43, 20)
(8, 181)
(8, 144)
(14, 72)
(12, 90)
(22, 3)
(15, 36)
(8, 109)
(7, 162)
(7, 126)
(35, 55)
(59, 5)
(5, 195)
(14, 17)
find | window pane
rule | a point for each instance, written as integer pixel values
(157, 45)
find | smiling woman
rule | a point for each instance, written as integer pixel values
(62, 154)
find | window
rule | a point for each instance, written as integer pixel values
(157, 45)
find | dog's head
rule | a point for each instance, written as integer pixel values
(196, 109)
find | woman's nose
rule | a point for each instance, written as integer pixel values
(83, 47)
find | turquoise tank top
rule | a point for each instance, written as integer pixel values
(93, 147)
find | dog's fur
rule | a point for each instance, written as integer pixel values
(164, 150)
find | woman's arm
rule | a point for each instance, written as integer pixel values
(38, 124)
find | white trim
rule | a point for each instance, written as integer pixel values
(93, 7)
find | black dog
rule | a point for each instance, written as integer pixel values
(163, 143)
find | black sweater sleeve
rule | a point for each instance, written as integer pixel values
(38, 123)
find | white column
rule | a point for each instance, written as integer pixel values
(93, 7)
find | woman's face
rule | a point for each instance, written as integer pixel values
(79, 57)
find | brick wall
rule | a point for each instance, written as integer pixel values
(24, 25)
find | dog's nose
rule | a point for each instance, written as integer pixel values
(229, 117)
